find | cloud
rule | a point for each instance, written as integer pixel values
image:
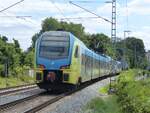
(22, 33)
(39, 7)
(144, 36)
(139, 7)
(24, 29)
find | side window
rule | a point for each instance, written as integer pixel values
(76, 54)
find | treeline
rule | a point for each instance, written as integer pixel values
(131, 49)
(13, 58)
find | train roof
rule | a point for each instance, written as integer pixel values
(56, 33)
(88, 51)
(92, 53)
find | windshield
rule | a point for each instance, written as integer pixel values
(54, 47)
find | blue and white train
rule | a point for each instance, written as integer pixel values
(62, 60)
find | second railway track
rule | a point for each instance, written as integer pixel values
(6, 91)
(9, 105)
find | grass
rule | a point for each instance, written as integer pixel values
(103, 105)
(104, 89)
(14, 81)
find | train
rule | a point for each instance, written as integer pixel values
(63, 61)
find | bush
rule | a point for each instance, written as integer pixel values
(103, 105)
(133, 95)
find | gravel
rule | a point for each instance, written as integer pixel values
(27, 105)
(74, 103)
(19, 95)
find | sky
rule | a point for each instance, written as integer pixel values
(133, 15)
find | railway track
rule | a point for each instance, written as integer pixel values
(53, 100)
(9, 105)
(6, 91)
(33, 106)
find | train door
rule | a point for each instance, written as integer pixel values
(75, 65)
(83, 64)
(78, 61)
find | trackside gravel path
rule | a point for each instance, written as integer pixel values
(75, 102)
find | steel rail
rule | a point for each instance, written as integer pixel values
(51, 101)
(6, 91)
(7, 106)
(16, 86)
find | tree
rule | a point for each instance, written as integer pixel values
(10, 52)
(16, 43)
(51, 24)
(133, 51)
(4, 38)
(34, 38)
(29, 59)
(99, 43)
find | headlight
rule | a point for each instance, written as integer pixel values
(65, 67)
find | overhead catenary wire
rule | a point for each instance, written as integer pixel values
(61, 12)
(11, 6)
(16, 16)
(105, 19)
(83, 1)
(75, 12)
(78, 18)
(20, 17)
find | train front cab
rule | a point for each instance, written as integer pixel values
(73, 72)
(65, 76)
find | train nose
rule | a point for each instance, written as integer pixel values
(51, 76)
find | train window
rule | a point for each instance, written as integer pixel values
(76, 54)
(54, 47)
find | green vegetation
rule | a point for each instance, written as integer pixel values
(19, 61)
(133, 95)
(12, 55)
(15, 81)
(103, 105)
(104, 89)
(134, 52)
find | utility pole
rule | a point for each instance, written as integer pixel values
(113, 24)
(126, 31)
(113, 20)
(113, 36)
(124, 43)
